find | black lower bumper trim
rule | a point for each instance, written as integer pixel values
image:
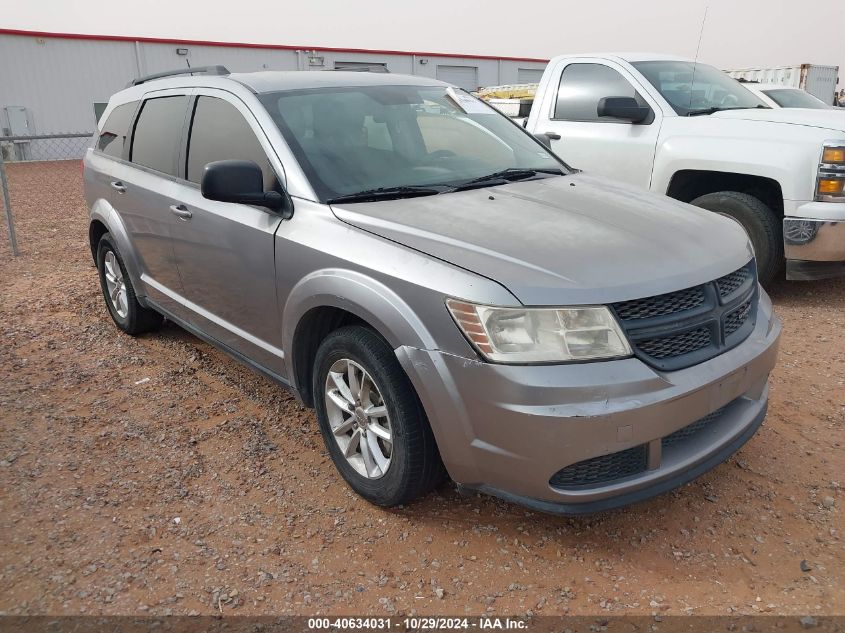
(611, 503)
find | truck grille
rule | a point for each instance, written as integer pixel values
(680, 329)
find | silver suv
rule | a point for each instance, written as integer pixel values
(446, 293)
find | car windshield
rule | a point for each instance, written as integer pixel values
(793, 98)
(692, 88)
(408, 140)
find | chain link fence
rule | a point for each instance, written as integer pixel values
(50, 155)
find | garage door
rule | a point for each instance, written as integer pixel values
(528, 75)
(465, 77)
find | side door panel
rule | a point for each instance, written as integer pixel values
(618, 149)
(225, 251)
(143, 196)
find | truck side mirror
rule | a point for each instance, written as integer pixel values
(625, 108)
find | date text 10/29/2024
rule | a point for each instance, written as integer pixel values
(417, 623)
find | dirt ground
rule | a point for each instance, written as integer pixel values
(156, 475)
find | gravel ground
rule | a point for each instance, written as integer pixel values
(156, 475)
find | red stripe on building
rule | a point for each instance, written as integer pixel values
(286, 47)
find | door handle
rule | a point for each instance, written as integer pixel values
(553, 135)
(181, 211)
(118, 186)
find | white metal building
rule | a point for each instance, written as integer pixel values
(51, 83)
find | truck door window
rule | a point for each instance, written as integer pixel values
(158, 131)
(583, 85)
(220, 132)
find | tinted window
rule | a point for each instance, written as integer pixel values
(583, 85)
(220, 132)
(116, 130)
(157, 133)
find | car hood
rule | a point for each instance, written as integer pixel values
(563, 240)
(826, 119)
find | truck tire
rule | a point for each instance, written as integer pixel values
(371, 419)
(759, 221)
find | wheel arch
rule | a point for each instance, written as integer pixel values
(331, 298)
(688, 184)
(105, 220)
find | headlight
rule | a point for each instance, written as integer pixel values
(540, 335)
(830, 181)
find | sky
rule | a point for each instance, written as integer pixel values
(736, 34)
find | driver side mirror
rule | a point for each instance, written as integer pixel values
(242, 182)
(625, 108)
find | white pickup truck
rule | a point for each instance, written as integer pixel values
(691, 132)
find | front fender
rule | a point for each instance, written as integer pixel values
(357, 294)
(103, 212)
(783, 155)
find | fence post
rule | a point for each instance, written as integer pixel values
(7, 203)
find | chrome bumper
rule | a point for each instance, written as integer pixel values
(814, 249)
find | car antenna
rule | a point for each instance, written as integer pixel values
(697, 50)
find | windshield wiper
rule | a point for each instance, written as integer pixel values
(720, 109)
(506, 175)
(385, 193)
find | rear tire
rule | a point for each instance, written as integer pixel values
(119, 294)
(764, 228)
(386, 473)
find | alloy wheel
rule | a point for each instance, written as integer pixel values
(116, 285)
(358, 418)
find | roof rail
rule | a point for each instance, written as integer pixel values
(205, 70)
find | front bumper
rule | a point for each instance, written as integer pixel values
(508, 430)
(814, 241)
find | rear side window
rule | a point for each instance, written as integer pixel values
(158, 132)
(583, 85)
(220, 132)
(116, 130)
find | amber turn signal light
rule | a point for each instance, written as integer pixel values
(833, 155)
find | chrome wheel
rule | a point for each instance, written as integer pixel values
(115, 285)
(358, 418)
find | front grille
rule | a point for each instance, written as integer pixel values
(690, 430)
(669, 303)
(602, 469)
(676, 345)
(729, 283)
(679, 329)
(737, 318)
(612, 467)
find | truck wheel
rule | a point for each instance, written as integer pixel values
(759, 221)
(129, 315)
(372, 421)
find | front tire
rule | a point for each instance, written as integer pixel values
(371, 419)
(119, 294)
(764, 228)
